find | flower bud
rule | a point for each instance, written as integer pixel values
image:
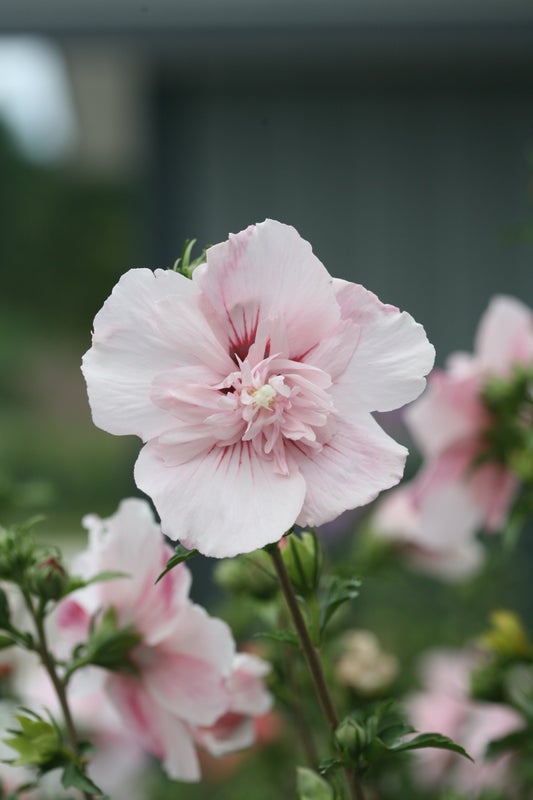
(250, 575)
(303, 559)
(48, 579)
(351, 737)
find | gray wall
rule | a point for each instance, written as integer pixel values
(412, 185)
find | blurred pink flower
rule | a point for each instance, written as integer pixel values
(249, 699)
(444, 706)
(185, 657)
(253, 386)
(449, 421)
(434, 536)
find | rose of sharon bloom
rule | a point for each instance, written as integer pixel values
(185, 660)
(433, 533)
(444, 706)
(249, 698)
(253, 386)
(448, 423)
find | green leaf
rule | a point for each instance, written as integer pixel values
(330, 764)
(181, 554)
(310, 786)
(339, 591)
(512, 741)
(423, 740)
(287, 637)
(73, 776)
(6, 641)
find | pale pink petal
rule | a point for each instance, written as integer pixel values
(188, 674)
(130, 541)
(350, 470)
(247, 686)
(505, 335)
(158, 731)
(150, 324)
(449, 411)
(493, 489)
(392, 355)
(231, 733)
(266, 271)
(225, 502)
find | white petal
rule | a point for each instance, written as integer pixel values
(392, 356)
(267, 271)
(505, 335)
(150, 324)
(224, 502)
(359, 462)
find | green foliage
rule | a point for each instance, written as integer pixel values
(108, 646)
(181, 554)
(310, 786)
(37, 742)
(366, 737)
(74, 777)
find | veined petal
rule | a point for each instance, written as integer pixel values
(224, 502)
(349, 471)
(150, 324)
(392, 355)
(266, 271)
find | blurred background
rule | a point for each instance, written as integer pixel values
(395, 135)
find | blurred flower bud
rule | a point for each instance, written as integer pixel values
(363, 665)
(507, 636)
(303, 559)
(250, 575)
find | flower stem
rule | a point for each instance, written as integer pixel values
(312, 658)
(58, 684)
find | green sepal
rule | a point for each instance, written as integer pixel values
(76, 582)
(37, 742)
(73, 776)
(181, 554)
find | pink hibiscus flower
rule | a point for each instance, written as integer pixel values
(449, 422)
(432, 533)
(253, 386)
(185, 658)
(444, 706)
(249, 699)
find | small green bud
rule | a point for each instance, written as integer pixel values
(48, 580)
(351, 737)
(250, 575)
(303, 559)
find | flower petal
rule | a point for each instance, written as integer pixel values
(351, 469)
(159, 732)
(224, 502)
(392, 354)
(150, 324)
(266, 271)
(504, 335)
